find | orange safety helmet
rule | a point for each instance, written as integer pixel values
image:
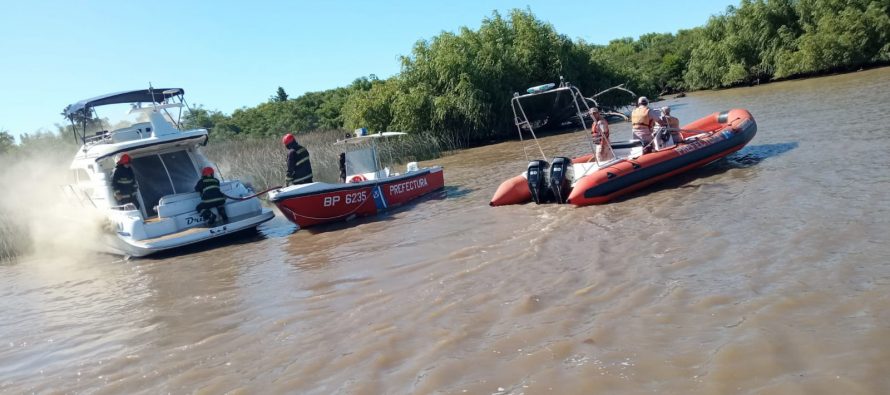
(124, 160)
(288, 139)
(207, 171)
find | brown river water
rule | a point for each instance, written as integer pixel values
(764, 273)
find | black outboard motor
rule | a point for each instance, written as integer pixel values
(537, 183)
(560, 179)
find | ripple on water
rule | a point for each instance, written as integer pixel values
(760, 273)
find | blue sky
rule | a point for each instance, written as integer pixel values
(233, 54)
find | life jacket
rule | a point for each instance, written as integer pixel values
(640, 118)
(208, 187)
(595, 131)
(673, 122)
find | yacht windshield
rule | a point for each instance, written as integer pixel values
(159, 175)
(118, 117)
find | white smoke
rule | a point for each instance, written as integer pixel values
(35, 216)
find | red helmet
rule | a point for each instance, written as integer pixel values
(207, 171)
(124, 160)
(288, 139)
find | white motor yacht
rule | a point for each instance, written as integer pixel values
(166, 162)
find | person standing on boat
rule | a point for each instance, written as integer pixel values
(643, 120)
(299, 168)
(342, 166)
(672, 123)
(211, 197)
(600, 133)
(123, 182)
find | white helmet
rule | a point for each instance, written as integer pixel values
(642, 100)
(666, 110)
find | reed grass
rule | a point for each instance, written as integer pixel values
(261, 162)
(14, 239)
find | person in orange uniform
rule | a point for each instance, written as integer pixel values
(643, 120)
(672, 123)
(600, 133)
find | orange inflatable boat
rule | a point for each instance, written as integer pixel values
(581, 181)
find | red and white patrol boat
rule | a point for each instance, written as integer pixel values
(368, 190)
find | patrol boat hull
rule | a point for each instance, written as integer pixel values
(319, 203)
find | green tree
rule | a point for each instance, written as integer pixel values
(7, 142)
(280, 95)
(765, 39)
(371, 108)
(652, 65)
(838, 36)
(460, 84)
(43, 141)
(219, 124)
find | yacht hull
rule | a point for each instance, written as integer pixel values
(124, 245)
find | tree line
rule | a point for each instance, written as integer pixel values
(457, 85)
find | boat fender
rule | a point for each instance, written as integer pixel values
(357, 178)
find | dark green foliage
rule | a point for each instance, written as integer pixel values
(766, 39)
(652, 65)
(457, 85)
(280, 95)
(43, 141)
(310, 111)
(218, 123)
